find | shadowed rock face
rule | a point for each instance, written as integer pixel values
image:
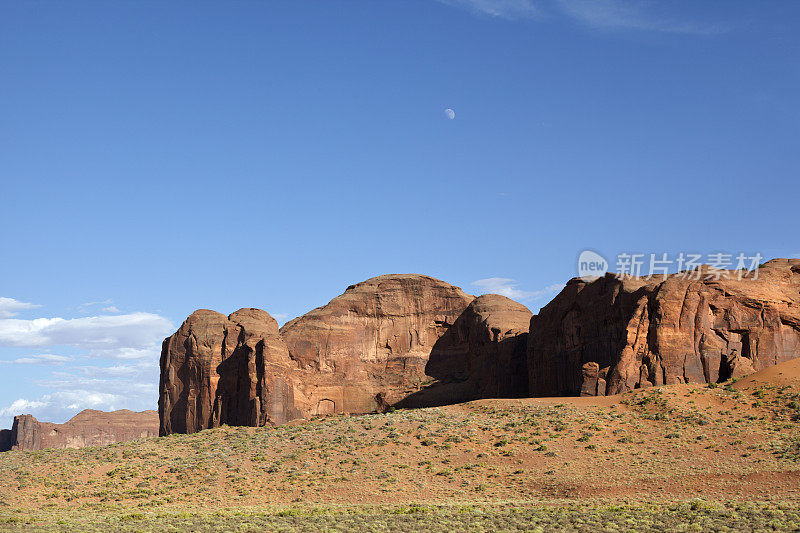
(388, 340)
(483, 355)
(496, 332)
(224, 370)
(87, 428)
(651, 332)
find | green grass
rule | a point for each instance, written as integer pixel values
(694, 515)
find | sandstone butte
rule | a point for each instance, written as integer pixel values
(397, 340)
(606, 335)
(408, 340)
(87, 428)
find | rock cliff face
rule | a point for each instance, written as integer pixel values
(369, 347)
(400, 339)
(483, 355)
(413, 341)
(608, 335)
(498, 341)
(224, 370)
(87, 428)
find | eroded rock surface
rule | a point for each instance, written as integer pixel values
(225, 370)
(483, 355)
(654, 332)
(594, 380)
(87, 428)
(401, 339)
(496, 330)
(411, 341)
(369, 347)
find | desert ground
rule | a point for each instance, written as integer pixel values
(678, 458)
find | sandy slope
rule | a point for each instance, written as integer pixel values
(732, 442)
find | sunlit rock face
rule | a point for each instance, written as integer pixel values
(401, 339)
(689, 328)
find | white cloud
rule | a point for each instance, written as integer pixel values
(503, 286)
(597, 14)
(39, 359)
(547, 291)
(508, 9)
(123, 335)
(84, 306)
(115, 371)
(10, 307)
(132, 387)
(508, 287)
(128, 383)
(618, 14)
(280, 318)
(111, 309)
(62, 405)
(21, 406)
(128, 354)
(126, 350)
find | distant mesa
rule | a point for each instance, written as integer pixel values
(87, 428)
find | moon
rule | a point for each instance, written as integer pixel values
(450, 113)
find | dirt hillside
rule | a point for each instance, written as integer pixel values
(737, 442)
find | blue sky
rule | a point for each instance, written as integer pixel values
(158, 157)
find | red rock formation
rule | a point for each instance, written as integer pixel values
(87, 428)
(225, 370)
(388, 340)
(370, 346)
(496, 330)
(652, 332)
(483, 355)
(362, 351)
(593, 380)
